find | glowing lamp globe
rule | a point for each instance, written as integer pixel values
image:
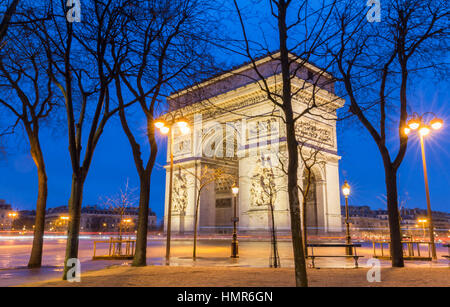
(185, 130)
(346, 189)
(164, 130)
(424, 130)
(235, 189)
(437, 123)
(159, 124)
(182, 123)
(414, 123)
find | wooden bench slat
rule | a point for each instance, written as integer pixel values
(319, 245)
(334, 256)
(334, 245)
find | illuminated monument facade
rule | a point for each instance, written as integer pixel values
(236, 128)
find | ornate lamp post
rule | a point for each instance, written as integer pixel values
(127, 222)
(418, 123)
(348, 239)
(166, 127)
(423, 222)
(63, 220)
(234, 241)
(12, 216)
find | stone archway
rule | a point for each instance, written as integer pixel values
(314, 202)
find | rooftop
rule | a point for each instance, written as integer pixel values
(244, 74)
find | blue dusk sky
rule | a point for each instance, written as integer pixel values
(360, 164)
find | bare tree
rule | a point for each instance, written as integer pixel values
(162, 52)
(204, 178)
(269, 190)
(27, 97)
(375, 63)
(7, 16)
(121, 203)
(311, 157)
(310, 22)
(77, 53)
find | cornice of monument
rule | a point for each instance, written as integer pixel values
(247, 66)
(242, 97)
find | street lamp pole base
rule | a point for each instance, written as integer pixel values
(234, 249)
(349, 251)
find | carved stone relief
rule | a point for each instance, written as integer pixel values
(309, 130)
(263, 188)
(179, 193)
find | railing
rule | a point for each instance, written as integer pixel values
(409, 251)
(118, 249)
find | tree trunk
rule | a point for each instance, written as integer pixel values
(39, 224)
(73, 230)
(275, 263)
(305, 230)
(194, 252)
(394, 219)
(140, 256)
(7, 16)
(301, 279)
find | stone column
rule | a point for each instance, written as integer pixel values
(333, 197)
(321, 198)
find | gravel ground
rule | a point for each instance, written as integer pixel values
(178, 276)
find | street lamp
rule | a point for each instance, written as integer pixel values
(424, 128)
(12, 216)
(423, 222)
(63, 219)
(348, 239)
(127, 223)
(234, 241)
(166, 127)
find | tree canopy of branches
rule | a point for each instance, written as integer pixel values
(310, 21)
(121, 203)
(28, 101)
(205, 177)
(77, 53)
(162, 49)
(375, 63)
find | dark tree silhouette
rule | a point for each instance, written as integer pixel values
(6, 19)
(77, 54)
(309, 22)
(375, 62)
(163, 51)
(27, 97)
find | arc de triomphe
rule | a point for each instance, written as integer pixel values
(235, 128)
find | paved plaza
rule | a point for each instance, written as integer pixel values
(212, 252)
(181, 276)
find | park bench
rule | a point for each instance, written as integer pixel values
(447, 256)
(353, 246)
